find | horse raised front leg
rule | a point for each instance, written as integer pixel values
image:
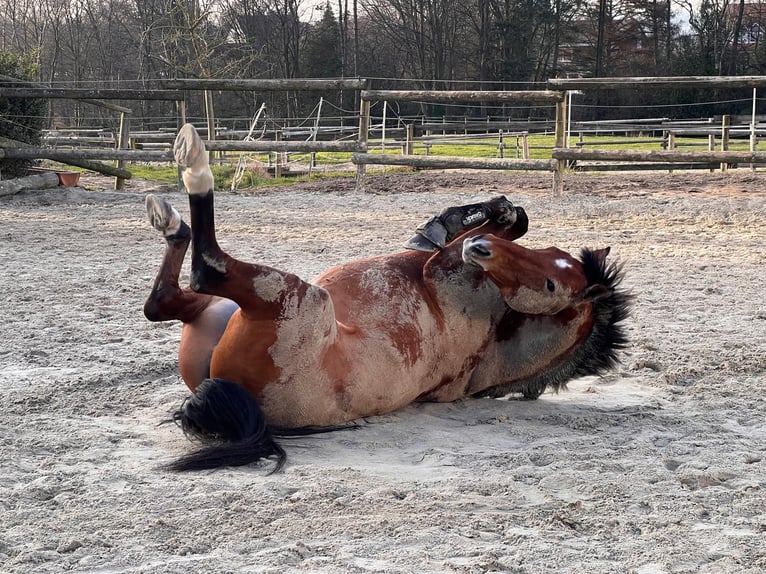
(167, 301)
(261, 292)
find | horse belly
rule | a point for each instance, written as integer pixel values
(353, 380)
(242, 355)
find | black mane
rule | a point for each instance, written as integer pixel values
(599, 352)
(608, 334)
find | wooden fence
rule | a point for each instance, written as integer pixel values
(557, 94)
(361, 159)
(173, 90)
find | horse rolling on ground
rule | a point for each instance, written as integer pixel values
(268, 354)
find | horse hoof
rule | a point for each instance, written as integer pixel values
(162, 216)
(189, 149)
(190, 154)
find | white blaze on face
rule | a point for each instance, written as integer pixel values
(563, 264)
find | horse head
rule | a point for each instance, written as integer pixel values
(534, 281)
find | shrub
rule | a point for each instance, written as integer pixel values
(21, 119)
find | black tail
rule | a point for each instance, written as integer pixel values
(224, 414)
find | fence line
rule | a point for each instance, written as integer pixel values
(557, 94)
(440, 96)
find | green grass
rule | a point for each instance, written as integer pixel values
(163, 173)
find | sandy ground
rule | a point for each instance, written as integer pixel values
(658, 467)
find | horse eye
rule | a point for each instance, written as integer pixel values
(550, 285)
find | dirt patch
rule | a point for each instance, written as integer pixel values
(658, 467)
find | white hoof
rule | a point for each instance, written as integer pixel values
(188, 149)
(162, 216)
(189, 152)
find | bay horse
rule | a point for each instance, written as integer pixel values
(266, 353)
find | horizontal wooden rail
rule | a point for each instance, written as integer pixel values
(669, 156)
(452, 162)
(644, 166)
(620, 142)
(529, 96)
(167, 155)
(85, 94)
(15, 82)
(282, 146)
(265, 84)
(34, 181)
(674, 82)
(75, 154)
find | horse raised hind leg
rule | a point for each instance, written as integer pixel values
(204, 317)
(218, 410)
(222, 409)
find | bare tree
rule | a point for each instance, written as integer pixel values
(731, 64)
(425, 32)
(712, 31)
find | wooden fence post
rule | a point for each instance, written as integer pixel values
(123, 142)
(278, 158)
(671, 144)
(753, 137)
(362, 137)
(725, 127)
(560, 140)
(409, 140)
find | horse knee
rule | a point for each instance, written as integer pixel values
(163, 305)
(151, 310)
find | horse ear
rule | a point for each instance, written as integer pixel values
(596, 292)
(601, 254)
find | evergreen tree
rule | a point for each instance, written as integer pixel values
(321, 53)
(21, 119)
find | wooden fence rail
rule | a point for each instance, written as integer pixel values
(655, 82)
(542, 97)
(266, 84)
(285, 146)
(453, 162)
(86, 94)
(457, 96)
(668, 156)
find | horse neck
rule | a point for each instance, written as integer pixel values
(585, 343)
(457, 284)
(460, 289)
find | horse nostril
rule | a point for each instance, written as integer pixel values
(480, 250)
(476, 248)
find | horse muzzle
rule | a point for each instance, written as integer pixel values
(476, 249)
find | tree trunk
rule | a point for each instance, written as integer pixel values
(732, 61)
(600, 41)
(36, 181)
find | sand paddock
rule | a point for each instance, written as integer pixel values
(658, 467)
